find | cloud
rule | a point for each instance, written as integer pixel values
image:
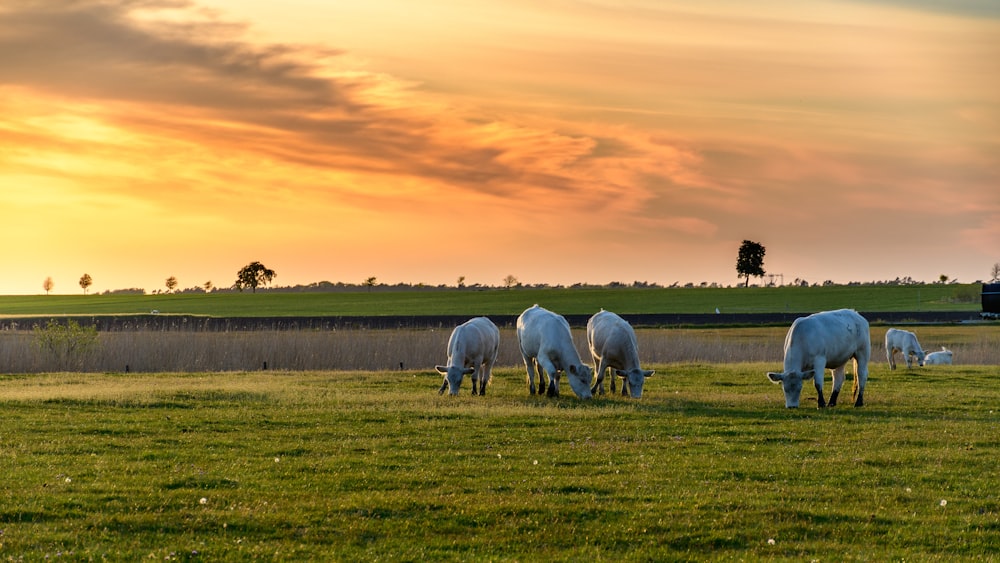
(164, 68)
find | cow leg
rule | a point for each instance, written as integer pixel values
(484, 378)
(891, 355)
(819, 370)
(443, 386)
(598, 388)
(546, 367)
(838, 382)
(475, 382)
(553, 385)
(529, 365)
(860, 380)
(543, 378)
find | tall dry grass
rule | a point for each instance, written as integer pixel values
(149, 351)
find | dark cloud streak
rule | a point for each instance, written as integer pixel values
(200, 70)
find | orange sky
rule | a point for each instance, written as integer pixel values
(559, 141)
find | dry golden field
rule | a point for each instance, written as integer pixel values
(148, 351)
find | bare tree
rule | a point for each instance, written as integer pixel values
(171, 284)
(510, 281)
(48, 284)
(85, 282)
(995, 272)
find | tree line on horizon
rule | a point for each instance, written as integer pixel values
(749, 263)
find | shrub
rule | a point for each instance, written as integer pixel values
(68, 344)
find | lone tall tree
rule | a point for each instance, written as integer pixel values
(252, 275)
(85, 282)
(48, 284)
(751, 260)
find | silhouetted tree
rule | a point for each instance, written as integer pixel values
(48, 284)
(995, 272)
(750, 261)
(461, 282)
(208, 286)
(171, 283)
(370, 283)
(85, 282)
(253, 275)
(509, 281)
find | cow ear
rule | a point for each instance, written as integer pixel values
(441, 369)
(621, 374)
(775, 377)
(648, 373)
(468, 371)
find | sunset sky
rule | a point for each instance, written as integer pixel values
(559, 141)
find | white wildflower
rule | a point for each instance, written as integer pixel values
(944, 503)
(203, 500)
(771, 541)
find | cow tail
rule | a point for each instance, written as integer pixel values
(856, 386)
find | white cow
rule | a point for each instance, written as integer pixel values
(939, 358)
(613, 345)
(473, 346)
(822, 341)
(905, 342)
(546, 345)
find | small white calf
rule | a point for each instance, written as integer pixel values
(822, 341)
(547, 347)
(613, 345)
(939, 358)
(905, 342)
(473, 346)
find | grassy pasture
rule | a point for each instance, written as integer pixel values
(510, 302)
(350, 466)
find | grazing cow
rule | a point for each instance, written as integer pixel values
(824, 341)
(905, 342)
(546, 345)
(613, 345)
(473, 346)
(939, 358)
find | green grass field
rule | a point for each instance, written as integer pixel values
(375, 465)
(511, 302)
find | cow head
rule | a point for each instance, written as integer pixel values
(453, 377)
(635, 377)
(791, 384)
(580, 378)
(921, 356)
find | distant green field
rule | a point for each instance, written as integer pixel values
(365, 466)
(934, 297)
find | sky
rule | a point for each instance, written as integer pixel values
(558, 141)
